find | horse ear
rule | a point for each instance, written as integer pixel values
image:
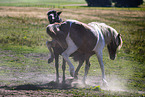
(58, 13)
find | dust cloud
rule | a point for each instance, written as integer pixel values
(115, 83)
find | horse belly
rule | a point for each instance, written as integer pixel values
(83, 38)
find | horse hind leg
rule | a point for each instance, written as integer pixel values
(56, 67)
(87, 66)
(78, 68)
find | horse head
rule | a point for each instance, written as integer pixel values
(53, 16)
(113, 45)
(56, 33)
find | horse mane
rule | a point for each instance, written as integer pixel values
(120, 42)
(109, 34)
(116, 37)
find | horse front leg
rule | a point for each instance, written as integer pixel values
(87, 66)
(70, 49)
(100, 59)
(71, 67)
(63, 68)
(49, 46)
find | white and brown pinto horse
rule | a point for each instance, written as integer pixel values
(75, 36)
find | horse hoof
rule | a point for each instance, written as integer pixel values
(50, 60)
(75, 77)
(105, 83)
(72, 72)
(84, 83)
(63, 82)
(57, 81)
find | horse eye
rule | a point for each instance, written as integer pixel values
(51, 16)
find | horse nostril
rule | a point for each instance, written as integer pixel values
(113, 58)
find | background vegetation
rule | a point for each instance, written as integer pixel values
(23, 36)
(128, 3)
(99, 3)
(38, 3)
(118, 3)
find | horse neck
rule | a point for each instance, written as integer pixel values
(108, 36)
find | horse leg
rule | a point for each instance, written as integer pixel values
(63, 68)
(87, 66)
(100, 59)
(70, 49)
(56, 67)
(65, 55)
(49, 46)
(78, 68)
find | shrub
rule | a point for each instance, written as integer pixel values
(128, 3)
(118, 3)
(99, 3)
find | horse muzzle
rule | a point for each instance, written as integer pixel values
(113, 57)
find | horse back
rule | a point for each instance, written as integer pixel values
(83, 37)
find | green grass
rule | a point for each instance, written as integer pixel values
(40, 3)
(22, 33)
(60, 4)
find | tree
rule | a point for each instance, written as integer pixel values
(99, 3)
(118, 3)
(128, 3)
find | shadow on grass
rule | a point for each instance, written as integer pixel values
(50, 85)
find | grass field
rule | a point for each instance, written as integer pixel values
(23, 54)
(40, 3)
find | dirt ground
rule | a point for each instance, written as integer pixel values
(39, 87)
(33, 90)
(34, 84)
